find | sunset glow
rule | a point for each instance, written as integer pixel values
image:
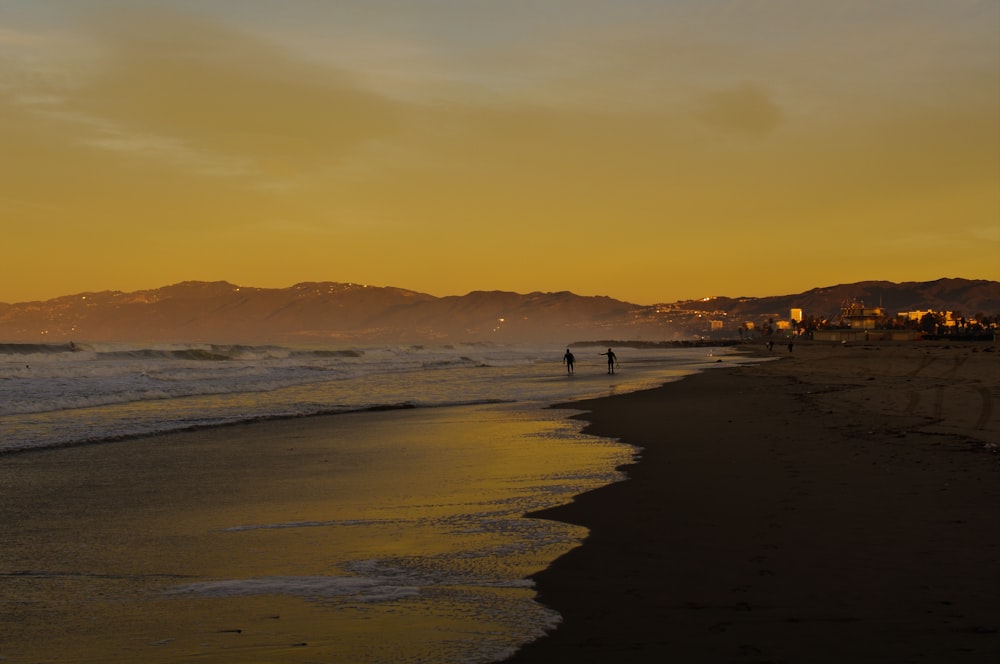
(649, 151)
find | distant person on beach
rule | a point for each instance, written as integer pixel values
(611, 361)
(790, 345)
(568, 360)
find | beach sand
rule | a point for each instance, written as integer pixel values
(838, 504)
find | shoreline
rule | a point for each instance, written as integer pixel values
(839, 504)
(361, 537)
(194, 428)
(95, 534)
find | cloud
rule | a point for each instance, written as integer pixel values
(189, 92)
(744, 109)
(986, 233)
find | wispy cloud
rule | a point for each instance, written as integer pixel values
(746, 109)
(193, 93)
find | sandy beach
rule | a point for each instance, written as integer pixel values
(835, 504)
(838, 504)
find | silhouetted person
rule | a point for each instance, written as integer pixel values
(568, 360)
(611, 361)
(790, 344)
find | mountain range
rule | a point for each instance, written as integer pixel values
(344, 313)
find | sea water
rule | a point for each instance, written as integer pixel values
(414, 549)
(64, 394)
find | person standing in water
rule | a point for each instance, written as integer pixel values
(611, 361)
(568, 360)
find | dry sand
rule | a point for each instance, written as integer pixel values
(839, 504)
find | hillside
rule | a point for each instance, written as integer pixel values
(328, 312)
(968, 296)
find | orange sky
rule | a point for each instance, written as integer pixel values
(650, 151)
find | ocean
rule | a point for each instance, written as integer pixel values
(375, 502)
(68, 393)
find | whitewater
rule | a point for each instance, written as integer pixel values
(65, 394)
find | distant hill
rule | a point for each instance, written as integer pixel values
(339, 313)
(961, 295)
(309, 312)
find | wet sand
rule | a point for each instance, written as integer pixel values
(839, 504)
(365, 537)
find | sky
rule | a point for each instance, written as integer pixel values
(651, 151)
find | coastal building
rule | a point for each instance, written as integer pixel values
(915, 315)
(858, 316)
(796, 315)
(862, 325)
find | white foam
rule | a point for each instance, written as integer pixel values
(358, 589)
(119, 390)
(303, 524)
(381, 583)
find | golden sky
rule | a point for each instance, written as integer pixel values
(648, 150)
